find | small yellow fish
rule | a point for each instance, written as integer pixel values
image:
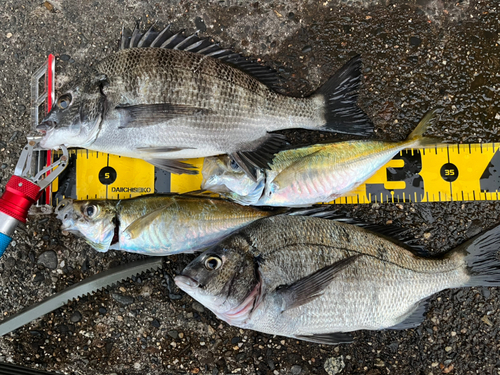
(155, 224)
(308, 175)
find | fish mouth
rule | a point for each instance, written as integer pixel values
(186, 282)
(45, 126)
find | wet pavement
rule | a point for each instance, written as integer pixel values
(416, 55)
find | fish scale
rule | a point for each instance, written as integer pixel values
(342, 304)
(214, 86)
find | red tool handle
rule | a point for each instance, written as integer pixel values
(20, 194)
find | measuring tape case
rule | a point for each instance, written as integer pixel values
(438, 174)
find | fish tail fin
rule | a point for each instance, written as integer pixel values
(482, 257)
(429, 119)
(340, 94)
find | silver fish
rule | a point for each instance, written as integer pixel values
(164, 97)
(156, 224)
(314, 174)
(317, 280)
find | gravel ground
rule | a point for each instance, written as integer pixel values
(417, 54)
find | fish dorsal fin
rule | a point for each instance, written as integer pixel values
(136, 227)
(333, 338)
(395, 234)
(399, 236)
(414, 317)
(312, 286)
(193, 43)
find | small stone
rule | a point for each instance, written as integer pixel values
(334, 365)
(486, 320)
(3, 166)
(9, 35)
(296, 370)
(200, 24)
(48, 259)
(198, 307)
(306, 49)
(448, 349)
(174, 297)
(14, 136)
(497, 116)
(49, 6)
(181, 335)
(427, 235)
(38, 277)
(155, 323)
(75, 317)
(235, 340)
(137, 366)
(123, 299)
(102, 310)
(173, 333)
(415, 41)
(65, 57)
(211, 330)
(448, 369)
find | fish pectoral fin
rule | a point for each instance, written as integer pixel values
(260, 157)
(136, 227)
(173, 166)
(333, 338)
(310, 287)
(138, 116)
(414, 317)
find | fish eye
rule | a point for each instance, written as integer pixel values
(90, 211)
(213, 263)
(234, 165)
(64, 101)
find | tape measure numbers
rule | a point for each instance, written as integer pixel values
(443, 173)
(439, 174)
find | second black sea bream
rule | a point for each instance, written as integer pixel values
(164, 97)
(315, 279)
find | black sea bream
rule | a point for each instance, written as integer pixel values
(316, 279)
(164, 97)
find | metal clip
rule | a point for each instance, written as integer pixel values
(24, 165)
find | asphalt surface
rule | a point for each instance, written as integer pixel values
(417, 55)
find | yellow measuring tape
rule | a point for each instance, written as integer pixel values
(443, 173)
